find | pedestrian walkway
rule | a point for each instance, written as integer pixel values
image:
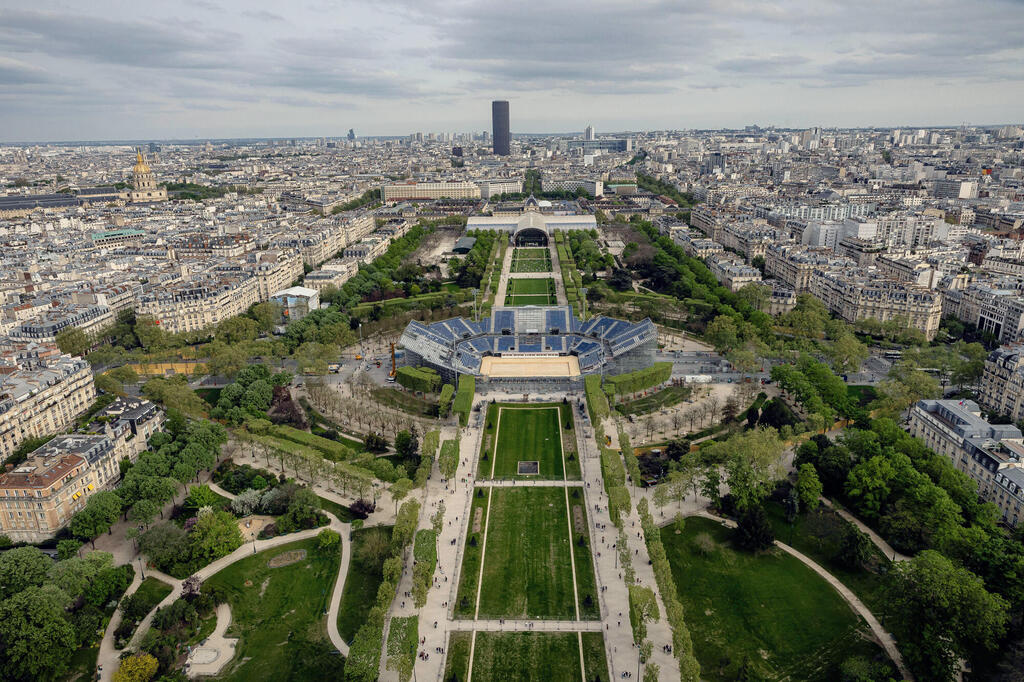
(210, 657)
(526, 483)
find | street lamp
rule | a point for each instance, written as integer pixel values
(142, 567)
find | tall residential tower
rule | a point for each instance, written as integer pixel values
(499, 122)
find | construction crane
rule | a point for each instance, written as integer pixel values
(394, 369)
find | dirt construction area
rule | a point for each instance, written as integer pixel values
(563, 366)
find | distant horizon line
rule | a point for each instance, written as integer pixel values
(343, 137)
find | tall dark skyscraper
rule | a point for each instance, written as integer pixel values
(499, 122)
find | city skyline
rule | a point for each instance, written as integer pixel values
(229, 70)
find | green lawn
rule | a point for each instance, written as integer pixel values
(520, 287)
(765, 616)
(339, 510)
(278, 615)
(527, 434)
(594, 659)
(465, 605)
(507, 656)
(527, 571)
(586, 583)
(531, 265)
(531, 252)
(538, 299)
(457, 655)
(363, 579)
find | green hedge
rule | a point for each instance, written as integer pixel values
(632, 463)
(464, 397)
(596, 399)
(640, 380)
(425, 553)
(422, 379)
(444, 402)
(682, 644)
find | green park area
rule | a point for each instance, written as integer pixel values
(525, 291)
(759, 616)
(528, 555)
(278, 599)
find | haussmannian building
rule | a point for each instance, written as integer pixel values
(855, 295)
(42, 398)
(988, 453)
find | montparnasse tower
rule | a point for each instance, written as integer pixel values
(144, 187)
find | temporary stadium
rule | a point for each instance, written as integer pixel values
(530, 342)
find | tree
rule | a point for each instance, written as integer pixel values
(399, 489)
(266, 315)
(328, 541)
(137, 668)
(73, 341)
(847, 354)
(722, 333)
(21, 568)
(100, 513)
(37, 639)
(808, 487)
(144, 511)
(753, 464)
(946, 613)
(710, 485)
(643, 607)
(67, 549)
(753, 530)
(854, 548)
(164, 544)
(757, 295)
(215, 535)
(406, 444)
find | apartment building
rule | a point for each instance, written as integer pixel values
(39, 397)
(856, 294)
(990, 306)
(732, 274)
(39, 497)
(1002, 383)
(491, 188)
(55, 319)
(191, 306)
(989, 453)
(407, 191)
(795, 263)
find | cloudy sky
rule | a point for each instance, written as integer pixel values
(110, 69)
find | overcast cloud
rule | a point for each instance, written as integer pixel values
(111, 69)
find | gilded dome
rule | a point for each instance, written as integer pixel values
(140, 164)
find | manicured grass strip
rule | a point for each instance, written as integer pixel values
(526, 656)
(766, 613)
(529, 435)
(594, 660)
(332, 450)
(531, 252)
(570, 456)
(538, 299)
(666, 397)
(586, 583)
(456, 664)
(527, 572)
(339, 510)
(524, 286)
(531, 265)
(277, 613)
(470, 576)
(369, 549)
